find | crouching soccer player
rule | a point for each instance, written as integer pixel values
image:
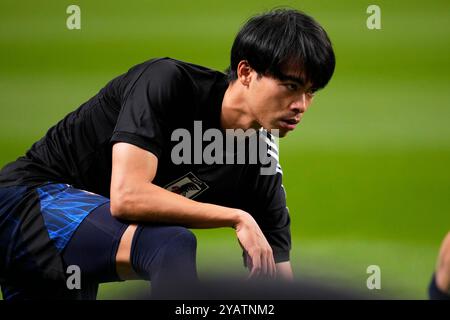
(96, 190)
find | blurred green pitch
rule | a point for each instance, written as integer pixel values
(367, 173)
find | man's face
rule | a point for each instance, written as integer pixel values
(279, 103)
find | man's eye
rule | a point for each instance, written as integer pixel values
(310, 93)
(291, 86)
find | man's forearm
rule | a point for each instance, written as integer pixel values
(146, 202)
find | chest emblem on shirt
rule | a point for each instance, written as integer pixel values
(188, 186)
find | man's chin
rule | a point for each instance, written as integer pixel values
(279, 133)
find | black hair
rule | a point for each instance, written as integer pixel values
(284, 38)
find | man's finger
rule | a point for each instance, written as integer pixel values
(272, 266)
(248, 262)
(256, 266)
(264, 265)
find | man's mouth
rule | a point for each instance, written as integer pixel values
(289, 123)
(292, 121)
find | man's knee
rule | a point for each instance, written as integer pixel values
(183, 239)
(166, 249)
(174, 244)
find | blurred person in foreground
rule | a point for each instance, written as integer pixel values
(108, 192)
(439, 288)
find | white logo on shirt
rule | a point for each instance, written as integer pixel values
(188, 186)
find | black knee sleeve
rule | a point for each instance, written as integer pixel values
(165, 255)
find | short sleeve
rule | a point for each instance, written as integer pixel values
(146, 104)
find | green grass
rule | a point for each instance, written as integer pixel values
(366, 174)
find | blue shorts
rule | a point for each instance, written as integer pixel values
(36, 229)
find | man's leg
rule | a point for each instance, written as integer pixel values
(107, 250)
(123, 263)
(165, 255)
(93, 249)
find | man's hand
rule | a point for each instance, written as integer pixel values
(260, 257)
(443, 266)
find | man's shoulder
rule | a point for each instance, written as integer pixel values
(168, 72)
(171, 66)
(175, 78)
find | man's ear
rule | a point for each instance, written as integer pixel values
(244, 73)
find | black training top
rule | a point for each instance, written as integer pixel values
(143, 107)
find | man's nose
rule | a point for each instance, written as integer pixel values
(301, 104)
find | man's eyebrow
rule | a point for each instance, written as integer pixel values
(298, 80)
